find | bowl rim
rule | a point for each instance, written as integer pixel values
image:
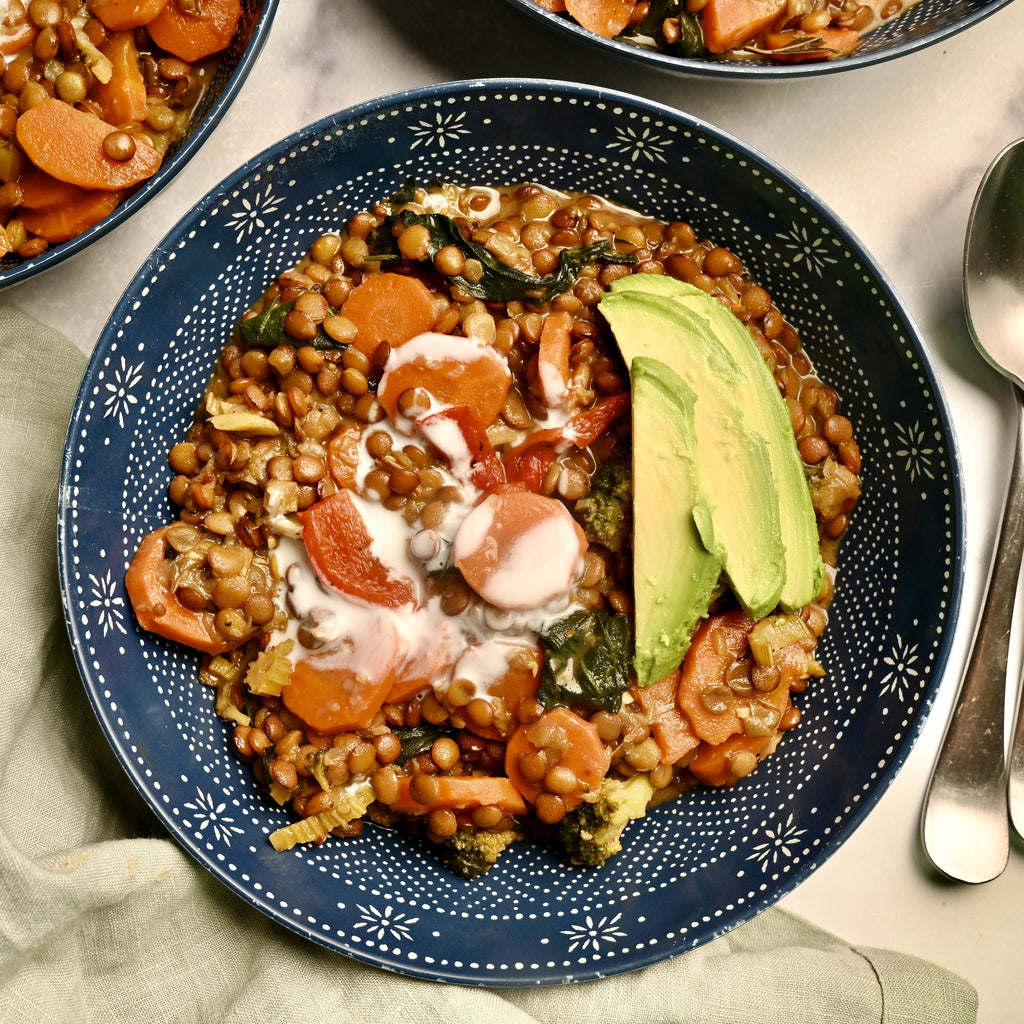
(957, 525)
(741, 70)
(181, 155)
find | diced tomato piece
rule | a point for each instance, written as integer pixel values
(456, 433)
(338, 543)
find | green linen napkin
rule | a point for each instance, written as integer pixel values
(103, 917)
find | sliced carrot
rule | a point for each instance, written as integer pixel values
(158, 609)
(519, 550)
(341, 687)
(338, 544)
(405, 688)
(727, 24)
(389, 308)
(670, 728)
(714, 765)
(343, 456)
(43, 192)
(71, 220)
(505, 673)
(553, 372)
(719, 641)
(562, 739)
(429, 660)
(607, 18)
(14, 38)
(456, 433)
(68, 144)
(453, 370)
(122, 98)
(461, 793)
(195, 36)
(835, 42)
(122, 14)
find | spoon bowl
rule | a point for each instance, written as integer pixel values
(994, 265)
(964, 826)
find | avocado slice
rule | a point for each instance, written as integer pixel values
(733, 458)
(766, 413)
(674, 572)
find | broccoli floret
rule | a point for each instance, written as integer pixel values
(606, 511)
(592, 832)
(469, 853)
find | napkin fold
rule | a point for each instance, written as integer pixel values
(104, 918)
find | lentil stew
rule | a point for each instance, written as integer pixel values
(404, 546)
(96, 97)
(735, 30)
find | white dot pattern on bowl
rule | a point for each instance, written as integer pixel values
(692, 869)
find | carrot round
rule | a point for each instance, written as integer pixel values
(195, 36)
(428, 661)
(42, 191)
(717, 643)
(727, 24)
(716, 764)
(670, 728)
(558, 739)
(505, 673)
(121, 14)
(122, 99)
(519, 550)
(158, 609)
(451, 369)
(68, 144)
(713, 762)
(70, 220)
(607, 18)
(341, 687)
(389, 308)
(338, 544)
(461, 793)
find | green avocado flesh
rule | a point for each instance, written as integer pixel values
(677, 573)
(732, 457)
(766, 413)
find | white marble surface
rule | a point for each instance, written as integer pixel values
(896, 151)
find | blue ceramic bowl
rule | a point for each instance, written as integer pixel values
(690, 870)
(926, 23)
(232, 71)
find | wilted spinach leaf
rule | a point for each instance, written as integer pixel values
(266, 330)
(499, 282)
(416, 740)
(587, 658)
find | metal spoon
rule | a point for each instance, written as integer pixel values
(964, 825)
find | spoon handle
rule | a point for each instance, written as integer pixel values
(964, 826)
(1015, 788)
